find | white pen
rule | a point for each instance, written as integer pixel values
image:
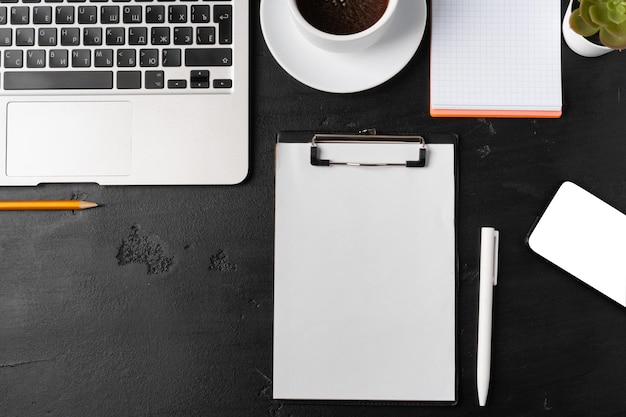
(489, 242)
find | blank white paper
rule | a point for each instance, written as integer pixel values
(496, 55)
(365, 283)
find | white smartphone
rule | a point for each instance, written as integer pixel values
(586, 237)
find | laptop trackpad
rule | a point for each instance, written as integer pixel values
(68, 139)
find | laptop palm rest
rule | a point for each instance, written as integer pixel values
(67, 139)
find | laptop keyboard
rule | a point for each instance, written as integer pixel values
(117, 46)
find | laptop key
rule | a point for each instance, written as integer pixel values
(205, 35)
(138, 36)
(126, 57)
(160, 36)
(222, 83)
(47, 36)
(64, 14)
(92, 36)
(24, 36)
(110, 14)
(199, 79)
(148, 57)
(223, 15)
(209, 57)
(6, 37)
(87, 15)
(70, 36)
(115, 36)
(20, 15)
(36, 58)
(132, 14)
(177, 14)
(58, 58)
(81, 58)
(42, 15)
(200, 13)
(103, 57)
(58, 80)
(155, 14)
(154, 80)
(183, 35)
(128, 80)
(171, 58)
(177, 84)
(13, 59)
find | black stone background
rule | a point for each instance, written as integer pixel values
(159, 303)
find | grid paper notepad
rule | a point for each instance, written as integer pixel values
(496, 58)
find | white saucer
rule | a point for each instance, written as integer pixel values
(343, 73)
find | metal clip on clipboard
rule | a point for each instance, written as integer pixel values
(367, 137)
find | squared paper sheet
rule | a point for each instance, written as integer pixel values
(365, 276)
(496, 58)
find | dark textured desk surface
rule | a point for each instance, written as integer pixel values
(159, 303)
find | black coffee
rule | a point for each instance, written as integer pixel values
(342, 17)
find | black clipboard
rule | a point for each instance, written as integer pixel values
(366, 270)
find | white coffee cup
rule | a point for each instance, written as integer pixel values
(343, 43)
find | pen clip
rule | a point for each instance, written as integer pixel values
(496, 244)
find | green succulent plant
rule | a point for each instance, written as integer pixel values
(607, 18)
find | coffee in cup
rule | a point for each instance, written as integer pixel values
(342, 25)
(342, 17)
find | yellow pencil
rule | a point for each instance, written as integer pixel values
(46, 205)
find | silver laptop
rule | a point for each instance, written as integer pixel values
(124, 91)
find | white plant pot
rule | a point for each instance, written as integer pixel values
(578, 43)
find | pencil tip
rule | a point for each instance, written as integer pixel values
(87, 204)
